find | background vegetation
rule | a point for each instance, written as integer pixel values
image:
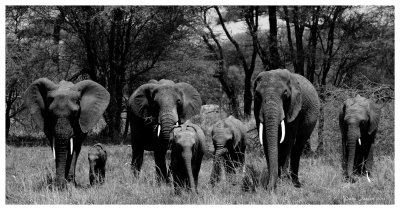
(343, 50)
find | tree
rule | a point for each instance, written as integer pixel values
(228, 85)
(120, 44)
(273, 39)
(251, 17)
(312, 43)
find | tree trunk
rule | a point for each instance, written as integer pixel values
(273, 40)
(289, 37)
(299, 29)
(313, 45)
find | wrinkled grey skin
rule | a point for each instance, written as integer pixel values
(187, 149)
(282, 95)
(66, 111)
(359, 118)
(163, 103)
(97, 156)
(229, 140)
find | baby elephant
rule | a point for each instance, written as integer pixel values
(187, 150)
(358, 119)
(97, 156)
(229, 139)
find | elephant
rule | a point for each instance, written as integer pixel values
(97, 157)
(155, 108)
(358, 120)
(187, 149)
(66, 112)
(284, 99)
(229, 140)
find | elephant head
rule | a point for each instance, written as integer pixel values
(358, 121)
(66, 112)
(165, 104)
(277, 101)
(226, 135)
(187, 149)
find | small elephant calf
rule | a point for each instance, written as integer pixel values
(229, 139)
(187, 150)
(97, 156)
(358, 120)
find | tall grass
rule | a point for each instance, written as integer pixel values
(30, 171)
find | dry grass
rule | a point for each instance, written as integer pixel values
(29, 171)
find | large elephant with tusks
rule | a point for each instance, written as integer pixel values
(66, 112)
(155, 108)
(286, 109)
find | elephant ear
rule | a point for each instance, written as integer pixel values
(234, 126)
(374, 115)
(35, 98)
(295, 98)
(348, 103)
(94, 101)
(139, 102)
(191, 101)
(200, 135)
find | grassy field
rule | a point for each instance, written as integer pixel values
(30, 170)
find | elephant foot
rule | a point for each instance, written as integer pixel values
(135, 172)
(350, 179)
(71, 179)
(248, 184)
(296, 183)
(60, 183)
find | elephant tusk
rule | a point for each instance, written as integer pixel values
(260, 133)
(72, 145)
(177, 124)
(369, 180)
(359, 141)
(283, 131)
(158, 130)
(54, 148)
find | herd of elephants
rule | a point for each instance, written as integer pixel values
(286, 109)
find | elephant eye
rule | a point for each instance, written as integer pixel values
(286, 93)
(179, 101)
(50, 99)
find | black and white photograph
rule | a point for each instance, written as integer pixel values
(220, 104)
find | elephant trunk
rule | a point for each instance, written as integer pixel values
(63, 133)
(220, 151)
(187, 158)
(166, 123)
(270, 143)
(353, 137)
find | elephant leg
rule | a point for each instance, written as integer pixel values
(359, 160)
(216, 171)
(344, 155)
(229, 164)
(137, 159)
(102, 175)
(161, 168)
(283, 158)
(295, 158)
(71, 162)
(369, 156)
(285, 150)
